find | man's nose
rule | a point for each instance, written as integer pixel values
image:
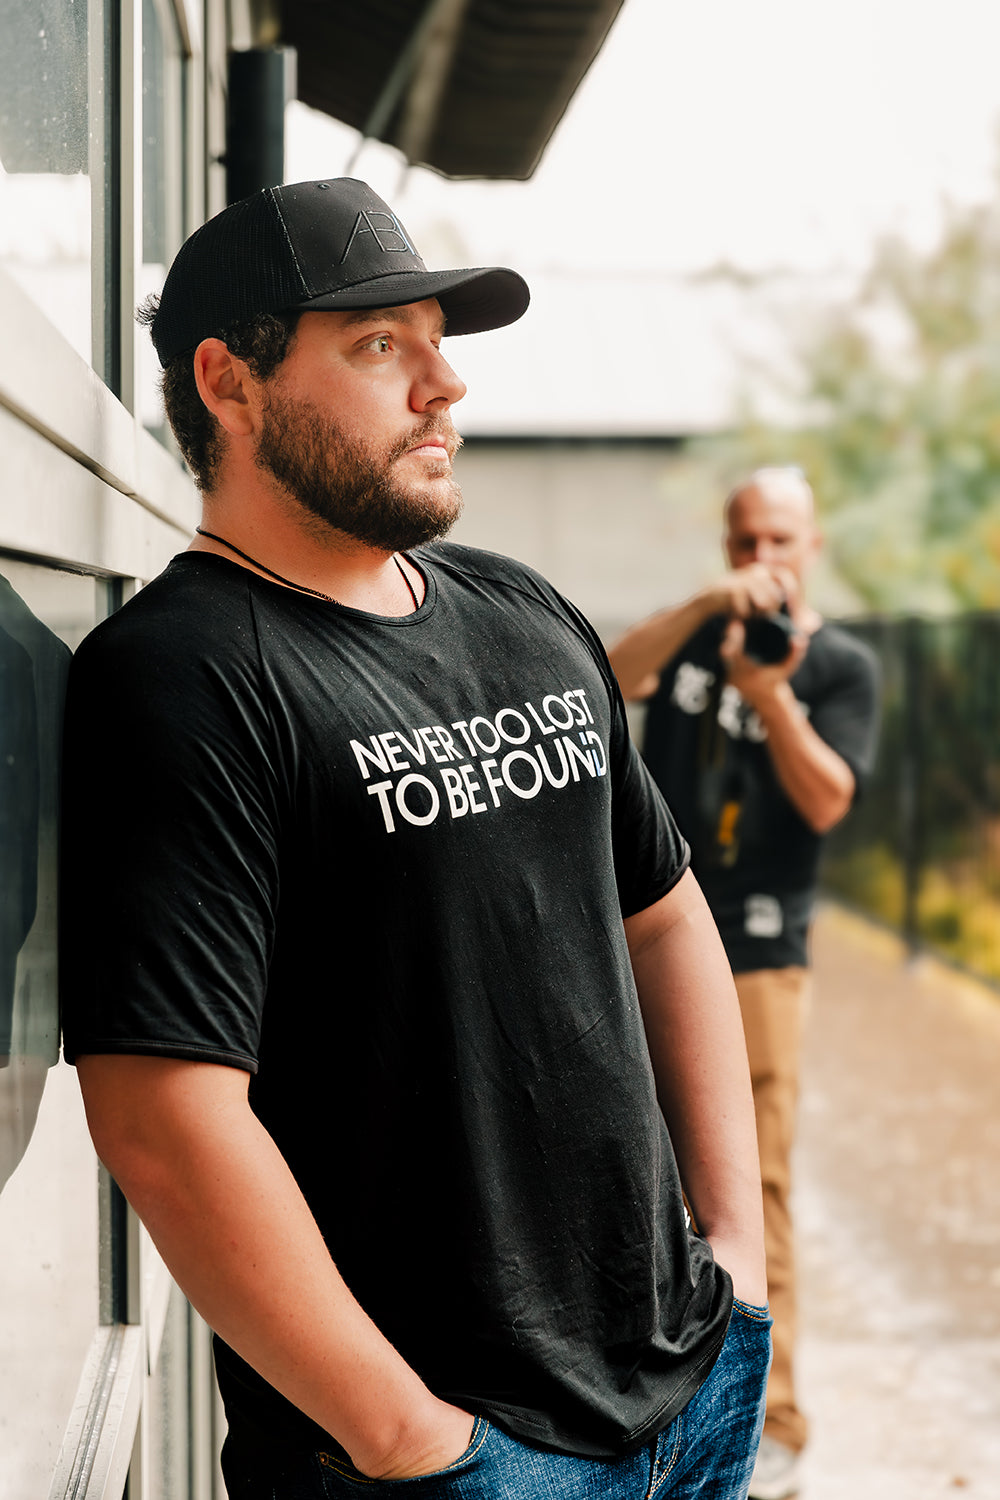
(437, 387)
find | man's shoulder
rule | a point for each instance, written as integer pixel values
(842, 649)
(492, 575)
(500, 588)
(180, 615)
(476, 562)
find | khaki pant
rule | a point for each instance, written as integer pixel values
(773, 1002)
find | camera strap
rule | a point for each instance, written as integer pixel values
(721, 782)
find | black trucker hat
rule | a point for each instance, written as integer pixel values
(315, 246)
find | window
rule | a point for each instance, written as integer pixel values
(164, 108)
(106, 1386)
(45, 184)
(48, 1175)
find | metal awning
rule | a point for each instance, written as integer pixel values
(471, 88)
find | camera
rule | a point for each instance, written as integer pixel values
(769, 637)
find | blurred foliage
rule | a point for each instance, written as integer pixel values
(870, 879)
(958, 908)
(901, 437)
(921, 848)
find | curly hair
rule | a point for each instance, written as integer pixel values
(263, 343)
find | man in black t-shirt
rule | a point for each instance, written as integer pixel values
(398, 1015)
(761, 724)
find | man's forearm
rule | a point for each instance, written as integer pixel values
(817, 781)
(640, 655)
(229, 1220)
(696, 1043)
(643, 651)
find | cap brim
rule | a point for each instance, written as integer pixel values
(473, 301)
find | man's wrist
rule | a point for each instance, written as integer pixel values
(742, 1255)
(771, 699)
(427, 1437)
(714, 599)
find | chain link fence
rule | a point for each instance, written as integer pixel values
(921, 849)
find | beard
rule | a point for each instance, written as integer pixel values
(348, 485)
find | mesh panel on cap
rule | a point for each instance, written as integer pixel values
(330, 245)
(237, 265)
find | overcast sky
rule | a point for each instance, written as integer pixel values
(778, 135)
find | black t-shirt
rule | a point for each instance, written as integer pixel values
(382, 865)
(755, 857)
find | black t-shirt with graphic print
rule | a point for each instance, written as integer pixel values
(381, 864)
(755, 857)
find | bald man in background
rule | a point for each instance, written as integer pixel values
(762, 724)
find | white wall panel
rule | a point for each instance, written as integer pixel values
(51, 506)
(55, 393)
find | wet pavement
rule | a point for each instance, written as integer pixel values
(898, 1213)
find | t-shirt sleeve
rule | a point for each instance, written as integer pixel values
(169, 885)
(650, 853)
(847, 717)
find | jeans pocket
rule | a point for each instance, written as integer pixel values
(752, 1311)
(427, 1484)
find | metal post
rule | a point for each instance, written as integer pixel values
(259, 88)
(911, 779)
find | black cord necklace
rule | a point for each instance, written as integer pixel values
(302, 587)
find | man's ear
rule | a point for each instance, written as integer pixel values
(224, 384)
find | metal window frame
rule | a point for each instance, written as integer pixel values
(87, 489)
(96, 1454)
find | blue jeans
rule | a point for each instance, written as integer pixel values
(708, 1451)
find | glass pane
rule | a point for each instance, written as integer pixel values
(48, 1173)
(45, 189)
(162, 179)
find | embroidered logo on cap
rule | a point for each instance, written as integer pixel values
(382, 235)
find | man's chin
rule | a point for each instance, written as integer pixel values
(436, 526)
(437, 505)
(423, 524)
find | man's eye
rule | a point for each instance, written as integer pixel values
(382, 344)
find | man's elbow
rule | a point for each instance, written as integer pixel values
(823, 825)
(824, 816)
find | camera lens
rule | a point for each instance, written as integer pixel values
(768, 638)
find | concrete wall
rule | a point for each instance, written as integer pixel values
(621, 528)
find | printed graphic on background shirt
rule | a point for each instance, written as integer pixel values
(692, 691)
(473, 765)
(763, 917)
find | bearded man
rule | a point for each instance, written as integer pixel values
(398, 1016)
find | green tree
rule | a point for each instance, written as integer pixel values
(902, 437)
